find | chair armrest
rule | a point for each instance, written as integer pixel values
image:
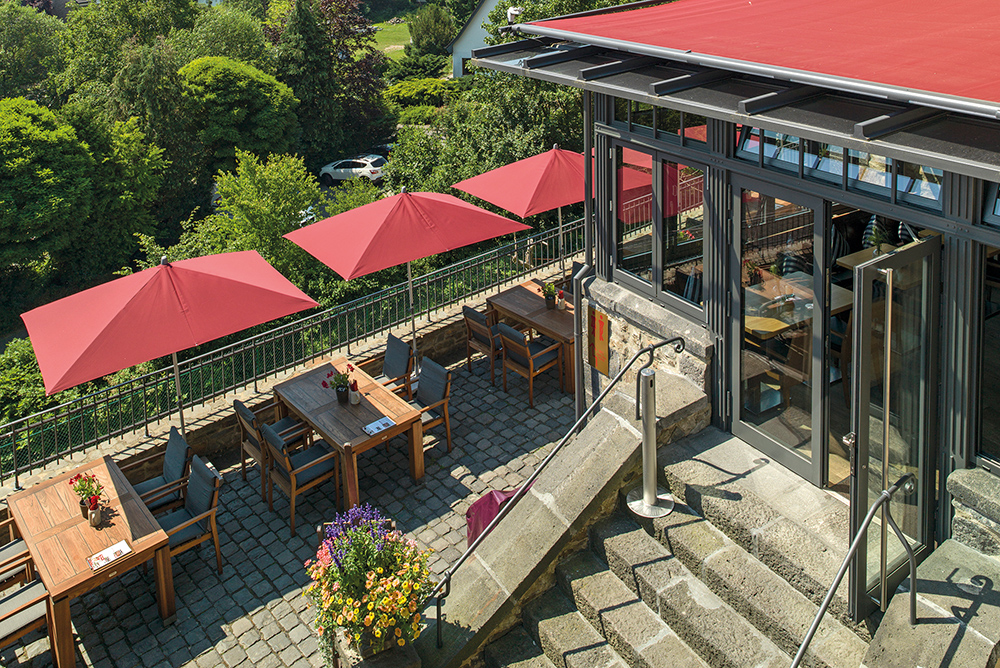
(300, 429)
(370, 361)
(149, 458)
(430, 407)
(196, 518)
(266, 407)
(17, 561)
(543, 351)
(13, 531)
(306, 467)
(27, 604)
(164, 490)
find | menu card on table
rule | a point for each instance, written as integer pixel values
(378, 425)
(108, 555)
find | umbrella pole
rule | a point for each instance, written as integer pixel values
(177, 386)
(562, 256)
(413, 317)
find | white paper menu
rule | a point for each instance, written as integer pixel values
(108, 555)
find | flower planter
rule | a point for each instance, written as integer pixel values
(550, 301)
(343, 395)
(84, 509)
(347, 654)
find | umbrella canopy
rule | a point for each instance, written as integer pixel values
(537, 184)
(156, 312)
(398, 229)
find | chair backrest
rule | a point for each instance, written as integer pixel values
(477, 326)
(515, 343)
(202, 489)
(796, 263)
(398, 359)
(177, 457)
(435, 383)
(279, 455)
(692, 288)
(905, 233)
(248, 423)
(838, 245)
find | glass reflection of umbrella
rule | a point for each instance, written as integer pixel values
(156, 312)
(398, 229)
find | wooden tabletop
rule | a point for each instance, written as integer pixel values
(797, 284)
(525, 303)
(863, 255)
(60, 539)
(342, 425)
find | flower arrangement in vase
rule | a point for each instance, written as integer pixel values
(560, 301)
(549, 292)
(368, 580)
(339, 382)
(89, 489)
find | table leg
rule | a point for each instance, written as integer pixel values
(63, 650)
(569, 368)
(416, 439)
(350, 461)
(165, 585)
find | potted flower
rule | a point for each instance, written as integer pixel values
(340, 383)
(549, 292)
(89, 489)
(368, 584)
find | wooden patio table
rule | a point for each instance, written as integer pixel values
(342, 425)
(525, 303)
(60, 539)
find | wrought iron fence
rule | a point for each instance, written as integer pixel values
(49, 435)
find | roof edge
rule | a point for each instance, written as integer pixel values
(905, 95)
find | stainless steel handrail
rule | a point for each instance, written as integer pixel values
(907, 484)
(445, 583)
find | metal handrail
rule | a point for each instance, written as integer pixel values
(907, 484)
(73, 426)
(445, 583)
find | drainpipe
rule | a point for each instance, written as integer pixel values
(588, 243)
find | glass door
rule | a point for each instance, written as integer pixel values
(778, 299)
(894, 377)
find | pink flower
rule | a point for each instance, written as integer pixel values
(93, 502)
(560, 294)
(325, 384)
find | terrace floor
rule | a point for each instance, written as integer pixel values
(255, 613)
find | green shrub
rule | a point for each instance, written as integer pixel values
(423, 67)
(420, 115)
(418, 92)
(431, 30)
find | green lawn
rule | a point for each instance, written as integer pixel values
(392, 36)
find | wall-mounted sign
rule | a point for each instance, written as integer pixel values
(598, 335)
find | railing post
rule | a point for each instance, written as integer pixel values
(648, 499)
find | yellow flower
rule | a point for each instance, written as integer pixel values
(378, 633)
(416, 634)
(401, 642)
(399, 632)
(357, 636)
(340, 620)
(380, 570)
(371, 605)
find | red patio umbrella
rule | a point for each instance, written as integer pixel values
(398, 229)
(161, 310)
(549, 180)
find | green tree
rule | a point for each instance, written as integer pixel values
(45, 182)
(29, 52)
(423, 67)
(227, 31)
(304, 59)
(255, 8)
(126, 177)
(415, 92)
(461, 10)
(431, 31)
(233, 105)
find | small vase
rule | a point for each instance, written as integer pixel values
(84, 509)
(561, 304)
(355, 398)
(342, 394)
(94, 516)
(550, 301)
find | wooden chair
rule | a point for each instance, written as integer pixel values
(163, 492)
(397, 366)
(482, 336)
(528, 358)
(251, 441)
(300, 472)
(432, 397)
(12, 549)
(26, 608)
(193, 524)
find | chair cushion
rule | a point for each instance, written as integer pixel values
(179, 517)
(318, 449)
(176, 457)
(433, 383)
(397, 357)
(9, 551)
(151, 484)
(287, 423)
(15, 599)
(535, 346)
(200, 488)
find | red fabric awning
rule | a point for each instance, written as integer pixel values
(951, 48)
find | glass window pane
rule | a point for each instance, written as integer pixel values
(634, 231)
(642, 115)
(668, 122)
(989, 428)
(682, 228)
(869, 172)
(781, 150)
(695, 129)
(823, 161)
(621, 110)
(919, 184)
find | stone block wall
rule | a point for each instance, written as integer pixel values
(976, 500)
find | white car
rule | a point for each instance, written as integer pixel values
(368, 166)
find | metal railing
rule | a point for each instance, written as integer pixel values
(906, 483)
(49, 435)
(443, 588)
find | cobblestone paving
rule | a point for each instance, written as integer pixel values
(254, 614)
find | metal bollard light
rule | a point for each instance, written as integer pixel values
(649, 499)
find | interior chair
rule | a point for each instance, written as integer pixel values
(299, 472)
(163, 492)
(194, 523)
(528, 358)
(481, 336)
(25, 608)
(432, 397)
(692, 287)
(12, 549)
(251, 441)
(397, 366)
(796, 264)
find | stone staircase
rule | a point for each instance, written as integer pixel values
(679, 591)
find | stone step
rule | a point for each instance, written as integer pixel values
(797, 530)
(515, 650)
(566, 638)
(634, 631)
(772, 605)
(706, 623)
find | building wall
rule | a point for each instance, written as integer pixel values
(471, 37)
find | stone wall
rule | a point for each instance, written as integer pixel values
(976, 500)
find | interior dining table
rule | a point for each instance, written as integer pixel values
(60, 540)
(796, 290)
(343, 425)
